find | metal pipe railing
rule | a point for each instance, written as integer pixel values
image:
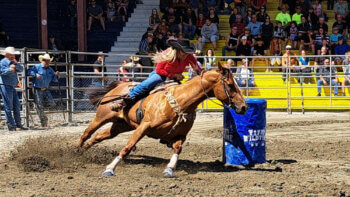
(79, 82)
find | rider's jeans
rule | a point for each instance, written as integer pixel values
(147, 85)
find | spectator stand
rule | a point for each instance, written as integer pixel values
(26, 22)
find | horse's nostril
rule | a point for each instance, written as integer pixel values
(244, 108)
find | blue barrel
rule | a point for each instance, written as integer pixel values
(244, 135)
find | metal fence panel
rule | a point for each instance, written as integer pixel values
(77, 79)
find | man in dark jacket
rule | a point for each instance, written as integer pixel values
(95, 12)
(243, 49)
(189, 20)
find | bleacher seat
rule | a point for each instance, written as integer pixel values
(20, 22)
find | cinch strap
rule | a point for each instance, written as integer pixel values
(176, 107)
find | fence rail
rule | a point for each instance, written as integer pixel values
(77, 78)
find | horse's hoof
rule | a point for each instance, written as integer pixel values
(107, 173)
(168, 173)
(78, 149)
(86, 146)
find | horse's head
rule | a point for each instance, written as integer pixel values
(227, 91)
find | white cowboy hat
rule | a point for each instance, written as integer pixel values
(45, 57)
(135, 58)
(10, 50)
(128, 65)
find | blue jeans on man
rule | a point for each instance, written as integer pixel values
(11, 103)
(225, 48)
(43, 98)
(240, 83)
(213, 38)
(147, 85)
(333, 83)
(190, 30)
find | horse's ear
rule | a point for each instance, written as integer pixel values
(222, 69)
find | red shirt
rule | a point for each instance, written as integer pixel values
(200, 23)
(259, 2)
(240, 27)
(169, 69)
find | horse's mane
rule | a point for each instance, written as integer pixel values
(96, 95)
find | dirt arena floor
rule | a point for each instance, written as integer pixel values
(308, 155)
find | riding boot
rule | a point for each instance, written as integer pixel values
(122, 103)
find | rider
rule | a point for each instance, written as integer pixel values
(171, 63)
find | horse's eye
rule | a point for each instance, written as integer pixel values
(231, 86)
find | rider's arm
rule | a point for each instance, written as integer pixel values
(160, 70)
(193, 62)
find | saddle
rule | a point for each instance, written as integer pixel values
(160, 87)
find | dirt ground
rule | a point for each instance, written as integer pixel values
(307, 155)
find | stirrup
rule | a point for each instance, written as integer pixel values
(118, 105)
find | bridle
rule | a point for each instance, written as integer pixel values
(231, 103)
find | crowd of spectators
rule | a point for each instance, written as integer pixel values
(300, 25)
(111, 11)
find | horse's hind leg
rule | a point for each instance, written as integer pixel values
(135, 137)
(95, 124)
(116, 128)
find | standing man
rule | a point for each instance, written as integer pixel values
(8, 80)
(98, 65)
(43, 75)
(72, 13)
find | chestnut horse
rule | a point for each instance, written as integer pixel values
(161, 120)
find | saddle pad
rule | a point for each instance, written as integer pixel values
(163, 86)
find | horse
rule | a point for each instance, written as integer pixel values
(168, 114)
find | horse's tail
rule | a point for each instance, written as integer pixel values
(97, 94)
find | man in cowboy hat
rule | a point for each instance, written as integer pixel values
(43, 75)
(171, 63)
(8, 80)
(135, 67)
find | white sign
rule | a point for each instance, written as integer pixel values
(255, 137)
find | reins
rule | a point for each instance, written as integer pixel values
(225, 90)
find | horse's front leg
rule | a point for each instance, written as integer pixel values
(135, 137)
(177, 148)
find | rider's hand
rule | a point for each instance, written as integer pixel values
(38, 77)
(57, 73)
(13, 68)
(178, 77)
